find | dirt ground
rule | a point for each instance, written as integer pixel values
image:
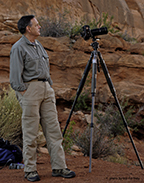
(101, 171)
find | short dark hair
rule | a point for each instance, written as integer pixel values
(23, 22)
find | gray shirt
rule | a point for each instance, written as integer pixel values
(28, 61)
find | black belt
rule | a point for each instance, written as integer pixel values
(44, 80)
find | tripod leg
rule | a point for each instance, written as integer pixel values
(107, 75)
(91, 132)
(93, 92)
(82, 82)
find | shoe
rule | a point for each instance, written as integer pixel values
(32, 176)
(66, 173)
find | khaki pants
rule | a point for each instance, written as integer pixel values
(38, 106)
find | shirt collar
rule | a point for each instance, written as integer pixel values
(28, 42)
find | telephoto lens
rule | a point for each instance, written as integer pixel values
(87, 32)
(100, 31)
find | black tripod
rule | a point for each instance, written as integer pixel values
(95, 66)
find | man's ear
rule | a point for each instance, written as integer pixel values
(28, 28)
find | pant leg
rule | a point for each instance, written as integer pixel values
(30, 103)
(51, 129)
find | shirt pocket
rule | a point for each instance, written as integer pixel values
(31, 64)
(45, 58)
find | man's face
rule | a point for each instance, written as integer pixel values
(34, 29)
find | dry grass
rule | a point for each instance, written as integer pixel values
(10, 118)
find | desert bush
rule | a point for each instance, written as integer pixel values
(112, 120)
(55, 27)
(10, 118)
(127, 37)
(103, 146)
(108, 127)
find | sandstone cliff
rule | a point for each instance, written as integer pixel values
(128, 14)
(68, 58)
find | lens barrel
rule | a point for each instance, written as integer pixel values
(100, 31)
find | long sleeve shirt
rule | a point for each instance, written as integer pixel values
(28, 61)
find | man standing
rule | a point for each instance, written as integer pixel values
(30, 78)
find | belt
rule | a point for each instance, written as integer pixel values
(44, 80)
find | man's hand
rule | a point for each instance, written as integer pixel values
(22, 92)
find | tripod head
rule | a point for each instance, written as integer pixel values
(95, 44)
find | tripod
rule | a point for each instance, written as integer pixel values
(95, 66)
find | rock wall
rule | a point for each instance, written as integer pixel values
(128, 14)
(68, 59)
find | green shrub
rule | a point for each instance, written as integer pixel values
(10, 118)
(82, 102)
(105, 21)
(118, 159)
(85, 97)
(102, 22)
(67, 140)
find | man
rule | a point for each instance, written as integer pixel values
(30, 78)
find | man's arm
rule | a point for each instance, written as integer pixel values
(16, 70)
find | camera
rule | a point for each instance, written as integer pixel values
(86, 33)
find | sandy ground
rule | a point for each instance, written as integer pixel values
(101, 171)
